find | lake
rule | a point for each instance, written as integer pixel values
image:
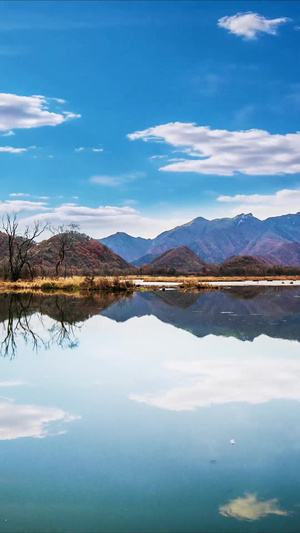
(165, 411)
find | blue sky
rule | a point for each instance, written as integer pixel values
(138, 116)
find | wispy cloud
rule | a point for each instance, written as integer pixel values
(19, 194)
(250, 25)
(82, 149)
(115, 181)
(107, 181)
(19, 206)
(29, 112)
(158, 156)
(58, 100)
(12, 150)
(222, 152)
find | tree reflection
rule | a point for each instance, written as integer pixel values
(18, 323)
(63, 333)
(23, 315)
(23, 318)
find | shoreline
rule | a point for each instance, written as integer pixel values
(130, 284)
(221, 283)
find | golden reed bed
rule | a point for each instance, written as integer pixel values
(78, 284)
(69, 284)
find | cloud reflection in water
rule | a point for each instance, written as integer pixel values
(18, 420)
(251, 508)
(225, 379)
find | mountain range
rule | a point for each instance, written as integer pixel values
(243, 245)
(275, 240)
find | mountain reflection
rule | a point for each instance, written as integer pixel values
(243, 313)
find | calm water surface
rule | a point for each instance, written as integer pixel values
(163, 412)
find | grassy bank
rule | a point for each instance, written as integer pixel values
(113, 284)
(75, 284)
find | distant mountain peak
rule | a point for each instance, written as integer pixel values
(244, 216)
(215, 240)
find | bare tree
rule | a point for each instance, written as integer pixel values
(21, 245)
(64, 238)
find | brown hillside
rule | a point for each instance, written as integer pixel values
(83, 256)
(242, 265)
(181, 259)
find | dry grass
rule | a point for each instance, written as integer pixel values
(75, 284)
(113, 284)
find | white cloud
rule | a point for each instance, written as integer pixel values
(251, 508)
(101, 221)
(97, 149)
(12, 150)
(80, 149)
(18, 206)
(17, 421)
(249, 25)
(264, 205)
(28, 112)
(225, 153)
